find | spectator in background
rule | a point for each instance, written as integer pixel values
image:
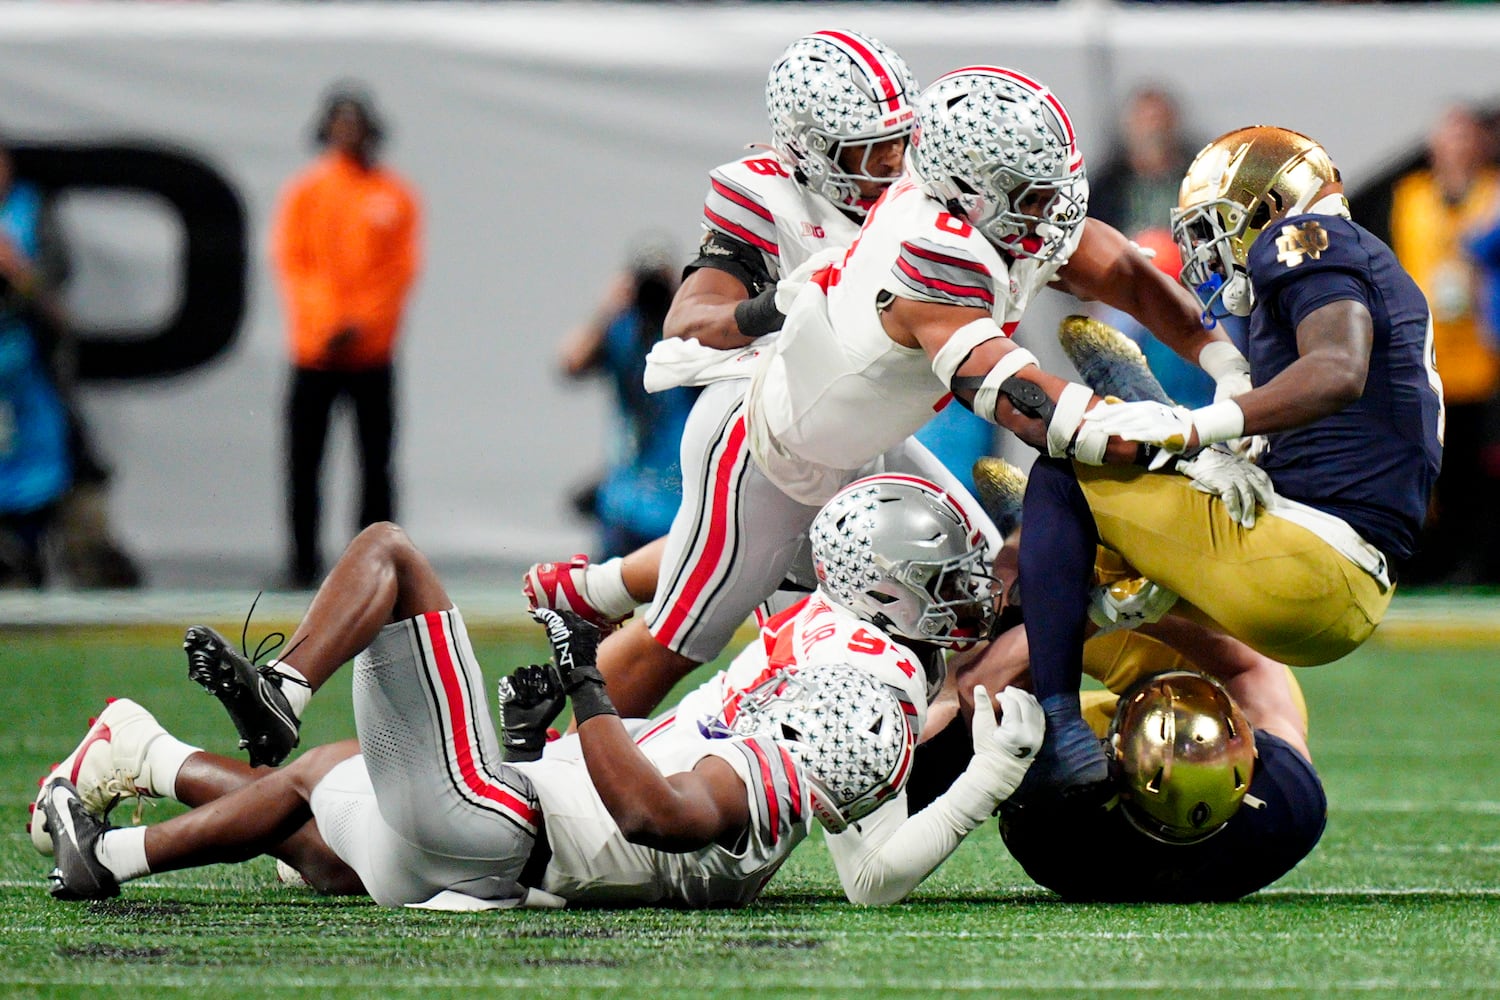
(642, 487)
(347, 251)
(1433, 210)
(1135, 192)
(35, 464)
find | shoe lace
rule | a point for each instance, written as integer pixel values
(118, 787)
(276, 641)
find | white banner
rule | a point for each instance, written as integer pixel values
(543, 137)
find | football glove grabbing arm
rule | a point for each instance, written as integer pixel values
(881, 859)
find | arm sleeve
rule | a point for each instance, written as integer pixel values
(885, 856)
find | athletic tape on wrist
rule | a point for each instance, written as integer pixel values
(590, 699)
(1220, 358)
(1221, 421)
(1072, 404)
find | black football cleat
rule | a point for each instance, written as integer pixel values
(75, 835)
(251, 695)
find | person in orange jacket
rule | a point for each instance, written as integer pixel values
(346, 244)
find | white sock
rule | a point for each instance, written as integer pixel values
(297, 690)
(165, 755)
(604, 588)
(123, 852)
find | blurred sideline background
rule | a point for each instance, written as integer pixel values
(543, 137)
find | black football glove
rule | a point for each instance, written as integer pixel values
(530, 698)
(575, 648)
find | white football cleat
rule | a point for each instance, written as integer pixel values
(563, 586)
(108, 767)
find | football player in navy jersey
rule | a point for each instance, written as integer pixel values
(1346, 394)
(1218, 799)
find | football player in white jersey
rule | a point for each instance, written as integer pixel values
(918, 310)
(428, 815)
(841, 109)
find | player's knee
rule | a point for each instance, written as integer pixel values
(304, 773)
(383, 537)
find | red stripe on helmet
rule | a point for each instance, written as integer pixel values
(874, 65)
(1044, 93)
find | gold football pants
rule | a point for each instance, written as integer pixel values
(1277, 587)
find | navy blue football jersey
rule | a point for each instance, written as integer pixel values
(1098, 855)
(1374, 462)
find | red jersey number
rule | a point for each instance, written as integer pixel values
(863, 642)
(767, 167)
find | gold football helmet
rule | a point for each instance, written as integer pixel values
(1186, 754)
(1235, 187)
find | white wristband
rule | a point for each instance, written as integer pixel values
(1221, 421)
(1220, 358)
(1068, 413)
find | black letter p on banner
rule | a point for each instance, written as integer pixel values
(211, 302)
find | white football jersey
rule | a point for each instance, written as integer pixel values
(756, 200)
(812, 632)
(593, 862)
(836, 391)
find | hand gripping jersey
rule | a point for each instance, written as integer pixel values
(836, 391)
(1372, 463)
(756, 201)
(813, 631)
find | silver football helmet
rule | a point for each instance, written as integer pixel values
(832, 91)
(998, 149)
(848, 730)
(899, 552)
(1186, 754)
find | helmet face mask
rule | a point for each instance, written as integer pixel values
(833, 94)
(847, 729)
(998, 149)
(1236, 187)
(900, 553)
(1186, 754)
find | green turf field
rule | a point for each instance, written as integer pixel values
(1401, 897)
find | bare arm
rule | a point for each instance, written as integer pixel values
(1334, 342)
(678, 813)
(930, 326)
(1107, 268)
(704, 310)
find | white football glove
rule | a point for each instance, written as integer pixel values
(1003, 751)
(1169, 428)
(1241, 485)
(1129, 604)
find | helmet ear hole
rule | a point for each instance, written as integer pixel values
(1262, 215)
